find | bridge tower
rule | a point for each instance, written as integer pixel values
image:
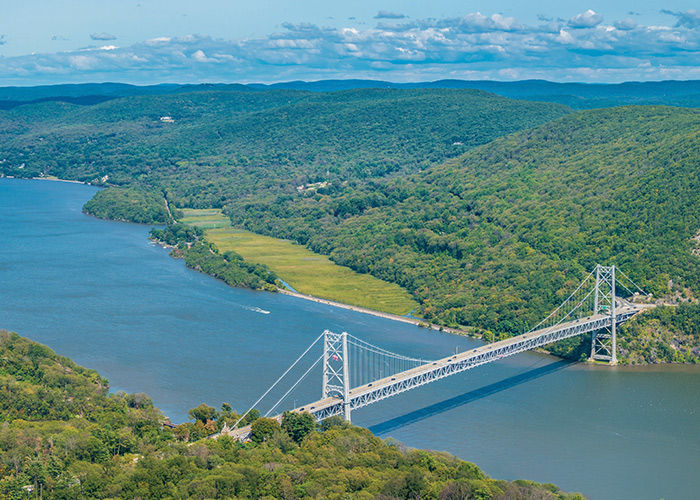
(604, 342)
(336, 378)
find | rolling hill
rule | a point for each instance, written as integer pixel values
(495, 237)
(209, 148)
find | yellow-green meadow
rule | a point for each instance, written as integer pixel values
(305, 271)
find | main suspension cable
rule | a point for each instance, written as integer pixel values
(562, 305)
(278, 380)
(295, 385)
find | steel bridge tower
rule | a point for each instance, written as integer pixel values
(336, 377)
(604, 342)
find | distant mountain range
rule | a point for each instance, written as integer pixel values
(576, 95)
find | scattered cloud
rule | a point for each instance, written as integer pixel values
(471, 23)
(200, 56)
(158, 41)
(384, 14)
(59, 38)
(626, 24)
(688, 19)
(588, 19)
(102, 36)
(473, 46)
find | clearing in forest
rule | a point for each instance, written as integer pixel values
(305, 271)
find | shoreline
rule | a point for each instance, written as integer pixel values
(56, 179)
(394, 317)
(420, 323)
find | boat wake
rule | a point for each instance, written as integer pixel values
(257, 310)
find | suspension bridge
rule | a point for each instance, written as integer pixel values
(357, 374)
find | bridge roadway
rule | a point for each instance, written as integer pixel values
(383, 388)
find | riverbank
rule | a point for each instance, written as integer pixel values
(115, 432)
(394, 317)
(47, 178)
(56, 179)
(315, 277)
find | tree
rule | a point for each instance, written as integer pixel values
(203, 413)
(138, 400)
(251, 417)
(331, 422)
(263, 428)
(298, 425)
(182, 432)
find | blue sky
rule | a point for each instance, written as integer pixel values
(154, 41)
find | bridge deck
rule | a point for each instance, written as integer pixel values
(383, 388)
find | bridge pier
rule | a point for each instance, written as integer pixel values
(604, 342)
(336, 376)
(346, 379)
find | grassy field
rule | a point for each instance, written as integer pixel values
(305, 271)
(206, 218)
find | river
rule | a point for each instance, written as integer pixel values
(101, 293)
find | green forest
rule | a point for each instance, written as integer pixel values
(189, 244)
(498, 236)
(217, 146)
(488, 210)
(133, 204)
(64, 436)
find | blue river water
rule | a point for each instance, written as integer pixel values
(100, 293)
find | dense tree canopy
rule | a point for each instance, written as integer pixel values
(129, 204)
(222, 145)
(499, 236)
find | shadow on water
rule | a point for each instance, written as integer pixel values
(467, 397)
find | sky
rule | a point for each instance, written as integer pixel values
(186, 41)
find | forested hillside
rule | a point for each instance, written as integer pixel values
(209, 148)
(63, 437)
(497, 236)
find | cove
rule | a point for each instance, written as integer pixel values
(101, 293)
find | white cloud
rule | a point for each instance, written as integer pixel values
(626, 24)
(200, 56)
(82, 63)
(588, 19)
(158, 41)
(565, 37)
(473, 46)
